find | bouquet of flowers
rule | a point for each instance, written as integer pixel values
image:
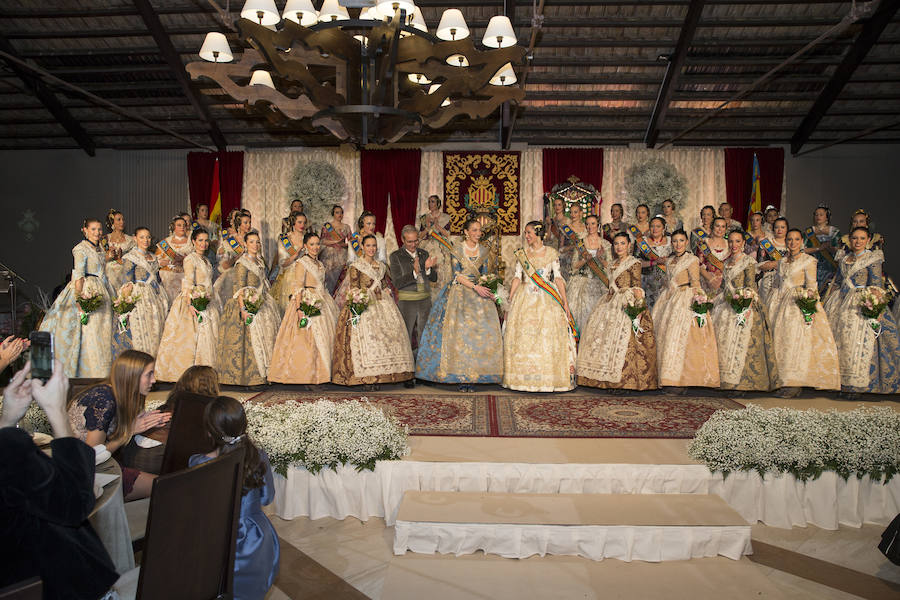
(806, 300)
(358, 299)
(493, 282)
(124, 304)
(252, 302)
(309, 306)
(872, 301)
(700, 306)
(199, 300)
(740, 300)
(634, 306)
(89, 300)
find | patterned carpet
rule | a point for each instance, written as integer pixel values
(575, 416)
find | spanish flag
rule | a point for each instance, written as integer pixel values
(755, 195)
(215, 198)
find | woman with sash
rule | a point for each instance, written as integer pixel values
(460, 341)
(170, 252)
(616, 352)
(860, 218)
(805, 351)
(652, 250)
(83, 343)
(116, 244)
(686, 352)
(673, 223)
(246, 340)
(231, 249)
(702, 233)
(539, 335)
(211, 227)
(373, 347)
(303, 351)
(290, 249)
(146, 320)
(771, 214)
(755, 234)
(869, 351)
(587, 281)
(554, 222)
(366, 226)
(189, 336)
(771, 250)
(822, 242)
(744, 341)
(571, 234)
(432, 224)
(287, 223)
(616, 212)
(712, 252)
(639, 228)
(335, 234)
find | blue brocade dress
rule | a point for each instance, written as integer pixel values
(461, 342)
(257, 550)
(825, 270)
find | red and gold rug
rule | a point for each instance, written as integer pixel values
(576, 416)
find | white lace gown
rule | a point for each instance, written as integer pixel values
(115, 270)
(147, 319)
(172, 273)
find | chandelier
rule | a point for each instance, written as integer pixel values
(371, 79)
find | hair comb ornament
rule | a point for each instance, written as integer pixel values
(231, 440)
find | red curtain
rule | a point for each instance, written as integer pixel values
(394, 175)
(584, 163)
(201, 170)
(231, 180)
(739, 177)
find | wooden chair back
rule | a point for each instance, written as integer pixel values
(187, 435)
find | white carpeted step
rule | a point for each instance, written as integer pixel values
(647, 527)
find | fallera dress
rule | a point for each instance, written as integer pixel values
(230, 250)
(686, 352)
(115, 269)
(437, 250)
(376, 349)
(746, 355)
(146, 320)
(84, 350)
(538, 348)
(869, 363)
(285, 282)
(706, 263)
(174, 251)
(805, 352)
(257, 549)
(583, 287)
(768, 278)
(334, 252)
(611, 353)
(653, 277)
(187, 339)
(825, 270)
(461, 342)
(303, 355)
(245, 350)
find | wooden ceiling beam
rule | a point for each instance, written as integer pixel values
(855, 56)
(151, 20)
(49, 100)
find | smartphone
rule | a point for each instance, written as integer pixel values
(41, 355)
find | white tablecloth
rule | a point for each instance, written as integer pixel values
(111, 523)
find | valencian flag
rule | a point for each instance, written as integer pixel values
(215, 197)
(755, 195)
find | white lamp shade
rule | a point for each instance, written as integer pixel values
(418, 78)
(452, 26)
(505, 76)
(418, 21)
(332, 11)
(261, 77)
(499, 33)
(301, 12)
(253, 8)
(215, 48)
(433, 89)
(389, 7)
(370, 13)
(458, 60)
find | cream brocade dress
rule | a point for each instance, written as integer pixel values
(246, 350)
(303, 355)
(583, 288)
(686, 353)
(805, 353)
(437, 250)
(186, 341)
(172, 274)
(767, 281)
(538, 349)
(286, 280)
(147, 319)
(115, 270)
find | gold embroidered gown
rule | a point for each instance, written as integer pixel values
(611, 354)
(376, 349)
(686, 353)
(806, 353)
(767, 280)
(172, 273)
(286, 281)
(116, 269)
(244, 351)
(746, 355)
(583, 287)
(187, 341)
(538, 349)
(303, 355)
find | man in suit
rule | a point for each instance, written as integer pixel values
(410, 268)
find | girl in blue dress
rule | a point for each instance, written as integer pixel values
(257, 550)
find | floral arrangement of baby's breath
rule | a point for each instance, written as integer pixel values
(654, 181)
(804, 443)
(324, 434)
(319, 186)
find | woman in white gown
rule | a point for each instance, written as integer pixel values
(211, 227)
(231, 248)
(189, 336)
(437, 221)
(539, 333)
(290, 249)
(170, 253)
(590, 257)
(117, 243)
(771, 250)
(146, 320)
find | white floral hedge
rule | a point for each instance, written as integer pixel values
(804, 443)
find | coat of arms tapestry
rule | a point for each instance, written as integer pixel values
(482, 182)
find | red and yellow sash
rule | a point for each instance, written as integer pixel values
(443, 241)
(710, 257)
(547, 287)
(770, 249)
(592, 263)
(356, 243)
(167, 249)
(287, 244)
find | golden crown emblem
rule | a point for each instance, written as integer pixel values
(482, 195)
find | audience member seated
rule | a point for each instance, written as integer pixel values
(257, 552)
(111, 412)
(45, 499)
